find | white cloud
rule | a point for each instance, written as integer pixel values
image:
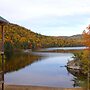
(25, 11)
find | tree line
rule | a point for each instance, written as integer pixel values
(83, 57)
(18, 37)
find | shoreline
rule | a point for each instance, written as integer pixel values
(30, 87)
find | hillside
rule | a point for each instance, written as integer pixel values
(18, 37)
(74, 37)
(78, 36)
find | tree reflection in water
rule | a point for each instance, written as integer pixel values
(16, 61)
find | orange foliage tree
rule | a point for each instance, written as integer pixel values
(86, 36)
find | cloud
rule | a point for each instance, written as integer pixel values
(52, 21)
(59, 21)
(47, 15)
(38, 8)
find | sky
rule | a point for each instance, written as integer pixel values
(48, 17)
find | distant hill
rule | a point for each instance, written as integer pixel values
(78, 36)
(18, 37)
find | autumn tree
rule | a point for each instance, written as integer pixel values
(86, 59)
(86, 36)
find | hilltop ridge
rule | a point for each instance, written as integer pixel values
(19, 37)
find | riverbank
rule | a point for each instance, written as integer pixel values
(23, 87)
(73, 64)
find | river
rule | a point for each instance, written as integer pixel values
(47, 70)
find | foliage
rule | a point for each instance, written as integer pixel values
(83, 58)
(17, 37)
(86, 57)
(86, 37)
(8, 47)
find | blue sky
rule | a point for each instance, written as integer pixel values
(48, 17)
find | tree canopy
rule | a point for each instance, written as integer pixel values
(19, 37)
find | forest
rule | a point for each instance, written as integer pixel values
(18, 37)
(83, 57)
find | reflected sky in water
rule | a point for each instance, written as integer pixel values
(63, 48)
(49, 71)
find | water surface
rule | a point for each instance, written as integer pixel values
(46, 71)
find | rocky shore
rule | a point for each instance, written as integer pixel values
(73, 65)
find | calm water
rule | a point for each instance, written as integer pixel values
(48, 70)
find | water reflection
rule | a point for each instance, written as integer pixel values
(45, 72)
(18, 61)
